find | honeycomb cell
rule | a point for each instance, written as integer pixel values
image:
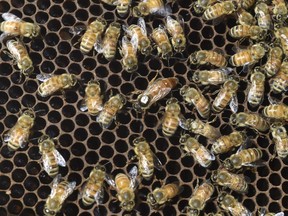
(56, 102)
(17, 3)
(41, 18)
(31, 183)
(76, 164)
(5, 83)
(81, 15)
(51, 39)
(3, 97)
(29, 9)
(15, 207)
(106, 152)
(27, 212)
(173, 167)
(4, 182)
(6, 166)
(4, 198)
(56, 11)
(17, 190)
(120, 160)
(69, 6)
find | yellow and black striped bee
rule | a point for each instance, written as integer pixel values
(280, 137)
(211, 77)
(208, 57)
(257, 88)
(122, 6)
(253, 32)
(200, 6)
(17, 137)
(252, 120)
(245, 18)
(61, 190)
(110, 109)
(93, 190)
(230, 180)
(279, 83)
(146, 7)
(129, 55)
(227, 142)
(147, 160)
(262, 15)
(219, 9)
(276, 111)
(161, 39)
(50, 156)
(246, 4)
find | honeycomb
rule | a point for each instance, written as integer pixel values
(24, 185)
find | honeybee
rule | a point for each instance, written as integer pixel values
(13, 25)
(122, 6)
(50, 156)
(245, 18)
(257, 88)
(147, 160)
(55, 83)
(211, 77)
(197, 150)
(147, 7)
(110, 109)
(276, 111)
(161, 39)
(274, 60)
(200, 6)
(243, 157)
(208, 57)
(219, 9)
(160, 196)
(205, 129)
(227, 142)
(92, 35)
(129, 53)
(156, 90)
(249, 56)
(195, 97)
(279, 82)
(110, 40)
(252, 120)
(230, 204)
(93, 99)
(227, 94)
(246, 4)
(280, 11)
(93, 189)
(253, 32)
(17, 137)
(138, 34)
(280, 137)
(281, 33)
(233, 181)
(175, 29)
(172, 117)
(61, 190)
(262, 15)
(125, 187)
(263, 212)
(199, 198)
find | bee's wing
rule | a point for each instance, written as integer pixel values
(71, 187)
(183, 122)
(226, 71)
(77, 29)
(211, 156)
(83, 106)
(43, 77)
(56, 181)
(142, 25)
(134, 42)
(3, 36)
(99, 196)
(6, 137)
(59, 158)
(163, 11)
(133, 173)
(109, 179)
(10, 17)
(234, 103)
(98, 46)
(46, 164)
(157, 163)
(279, 214)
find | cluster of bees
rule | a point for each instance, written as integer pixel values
(256, 28)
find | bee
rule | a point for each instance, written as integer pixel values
(138, 34)
(202, 57)
(280, 11)
(129, 53)
(110, 109)
(279, 82)
(230, 180)
(257, 88)
(200, 6)
(156, 90)
(61, 190)
(50, 156)
(197, 150)
(110, 40)
(227, 142)
(274, 60)
(211, 77)
(230, 204)
(205, 129)
(243, 157)
(219, 9)
(262, 15)
(276, 111)
(281, 33)
(252, 120)
(93, 101)
(245, 18)
(17, 137)
(263, 212)
(172, 117)
(52, 84)
(246, 4)
(161, 39)
(18, 52)
(175, 29)
(92, 35)
(280, 137)
(125, 187)
(147, 7)
(249, 56)
(253, 32)
(93, 189)
(147, 160)
(195, 97)
(160, 196)
(123, 7)
(199, 198)
(13, 25)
